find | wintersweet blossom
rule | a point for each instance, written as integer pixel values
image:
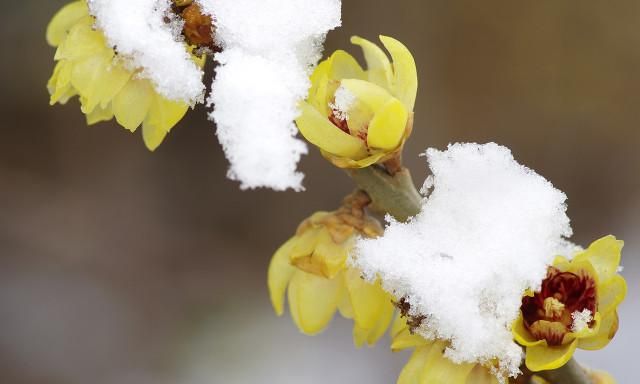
(576, 306)
(311, 266)
(428, 363)
(107, 85)
(361, 117)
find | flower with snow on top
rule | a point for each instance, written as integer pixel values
(361, 117)
(428, 363)
(107, 83)
(311, 266)
(576, 306)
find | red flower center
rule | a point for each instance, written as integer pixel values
(548, 314)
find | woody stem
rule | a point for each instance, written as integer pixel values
(395, 195)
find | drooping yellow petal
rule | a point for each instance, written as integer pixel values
(604, 254)
(411, 372)
(313, 300)
(86, 77)
(82, 42)
(59, 85)
(440, 370)
(162, 116)
(405, 339)
(379, 70)
(481, 375)
(371, 305)
(278, 276)
(64, 19)
(606, 332)
(332, 256)
(405, 77)
(611, 293)
(99, 114)
(131, 104)
(543, 357)
(388, 126)
(305, 243)
(318, 130)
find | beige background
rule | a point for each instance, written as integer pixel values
(120, 266)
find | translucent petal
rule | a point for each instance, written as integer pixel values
(405, 339)
(87, 78)
(99, 114)
(278, 276)
(332, 256)
(379, 70)
(481, 375)
(131, 104)
(388, 125)
(372, 307)
(544, 357)
(318, 130)
(405, 78)
(344, 66)
(152, 135)
(608, 329)
(411, 372)
(372, 95)
(604, 254)
(64, 19)
(611, 293)
(82, 42)
(440, 370)
(313, 300)
(522, 336)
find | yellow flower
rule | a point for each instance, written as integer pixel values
(312, 268)
(88, 67)
(361, 117)
(575, 308)
(428, 365)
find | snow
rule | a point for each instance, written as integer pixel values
(139, 32)
(269, 49)
(581, 320)
(488, 229)
(343, 101)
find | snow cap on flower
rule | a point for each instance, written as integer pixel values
(269, 49)
(488, 229)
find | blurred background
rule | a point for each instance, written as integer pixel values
(122, 266)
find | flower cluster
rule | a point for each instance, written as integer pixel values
(106, 84)
(312, 268)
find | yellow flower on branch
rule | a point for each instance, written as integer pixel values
(361, 117)
(575, 308)
(428, 364)
(312, 269)
(89, 68)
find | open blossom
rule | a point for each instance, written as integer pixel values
(311, 267)
(106, 83)
(361, 117)
(575, 308)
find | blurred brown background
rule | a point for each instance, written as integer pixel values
(122, 266)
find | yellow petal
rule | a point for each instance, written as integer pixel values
(399, 324)
(606, 332)
(305, 243)
(99, 114)
(405, 79)
(544, 357)
(318, 130)
(131, 104)
(372, 307)
(64, 19)
(440, 370)
(387, 127)
(332, 256)
(411, 372)
(87, 77)
(59, 84)
(313, 300)
(344, 66)
(604, 254)
(522, 336)
(162, 116)
(611, 293)
(82, 42)
(372, 95)
(278, 276)
(481, 375)
(379, 70)
(405, 339)
(344, 305)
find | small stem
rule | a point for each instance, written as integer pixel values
(396, 195)
(570, 373)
